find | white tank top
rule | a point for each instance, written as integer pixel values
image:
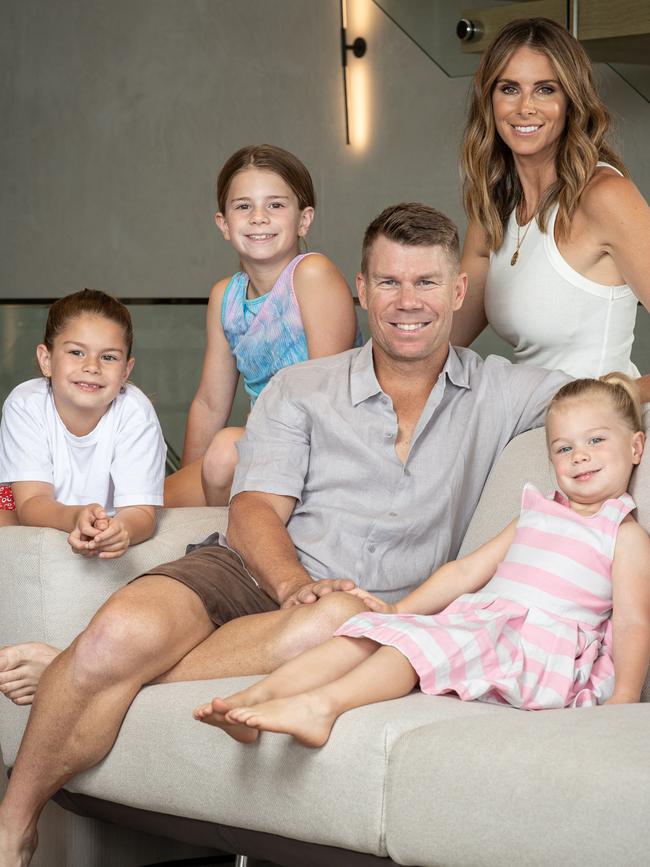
(550, 314)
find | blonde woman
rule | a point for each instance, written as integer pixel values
(559, 237)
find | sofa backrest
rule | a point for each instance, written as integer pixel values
(526, 460)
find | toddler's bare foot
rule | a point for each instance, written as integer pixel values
(308, 717)
(214, 714)
(21, 667)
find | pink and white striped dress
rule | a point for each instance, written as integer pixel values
(538, 635)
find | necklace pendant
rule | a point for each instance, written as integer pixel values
(515, 256)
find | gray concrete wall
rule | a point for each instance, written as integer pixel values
(116, 116)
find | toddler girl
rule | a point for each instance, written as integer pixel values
(280, 308)
(81, 447)
(530, 622)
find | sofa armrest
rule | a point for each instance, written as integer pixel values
(49, 594)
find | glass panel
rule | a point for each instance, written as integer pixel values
(431, 24)
(637, 75)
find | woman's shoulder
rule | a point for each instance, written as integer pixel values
(607, 194)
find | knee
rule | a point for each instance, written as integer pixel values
(312, 624)
(114, 643)
(335, 608)
(221, 457)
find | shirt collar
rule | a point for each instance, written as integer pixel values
(364, 383)
(457, 372)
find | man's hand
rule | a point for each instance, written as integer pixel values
(373, 603)
(313, 591)
(91, 521)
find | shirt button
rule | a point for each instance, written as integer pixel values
(388, 435)
(371, 548)
(384, 399)
(392, 514)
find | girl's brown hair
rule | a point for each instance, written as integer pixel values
(273, 159)
(491, 187)
(91, 302)
(619, 389)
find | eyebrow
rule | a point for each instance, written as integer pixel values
(248, 198)
(84, 346)
(535, 84)
(433, 275)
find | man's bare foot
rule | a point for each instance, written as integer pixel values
(21, 667)
(16, 851)
(214, 714)
(308, 717)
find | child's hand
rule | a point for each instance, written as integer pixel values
(112, 541)
(91, 521)
(373, 603)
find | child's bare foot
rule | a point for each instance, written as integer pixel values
(308, 717)
(214, 714)
(21, 667)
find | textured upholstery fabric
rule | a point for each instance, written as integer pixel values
(50, 594)
(165, 761)
(559, 787)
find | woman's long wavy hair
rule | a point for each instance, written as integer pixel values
(491, 188)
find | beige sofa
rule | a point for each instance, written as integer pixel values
(420, 781)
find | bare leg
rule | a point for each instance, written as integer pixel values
(260, 643)
(21, 667)
(314, 668)
(183, 488)
(218, 466)
(8, 518)
(84, 694)
(309, 717)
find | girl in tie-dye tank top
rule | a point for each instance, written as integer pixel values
(278, 309)
(554, 612)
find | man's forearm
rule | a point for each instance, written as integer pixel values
(258, 533)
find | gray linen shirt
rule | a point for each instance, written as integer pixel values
(324, 432)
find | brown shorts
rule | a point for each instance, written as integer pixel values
(218, 576)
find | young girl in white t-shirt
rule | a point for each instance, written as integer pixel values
(81, 447)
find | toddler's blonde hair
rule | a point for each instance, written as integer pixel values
(618, 388)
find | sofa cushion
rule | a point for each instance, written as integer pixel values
(565, 787)
(165, 761)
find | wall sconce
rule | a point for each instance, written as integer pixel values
(358, 48)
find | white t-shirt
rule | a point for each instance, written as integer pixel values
(119, 463)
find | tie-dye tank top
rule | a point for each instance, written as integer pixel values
(265, 334)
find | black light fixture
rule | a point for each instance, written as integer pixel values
(358, 48)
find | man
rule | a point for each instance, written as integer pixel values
(362, 468)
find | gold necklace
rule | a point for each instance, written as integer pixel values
(515, 255)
